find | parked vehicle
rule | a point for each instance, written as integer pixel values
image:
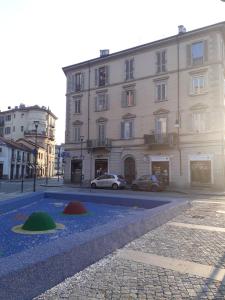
(145, 183)
(109, 181)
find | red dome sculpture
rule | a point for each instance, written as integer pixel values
(75, 208)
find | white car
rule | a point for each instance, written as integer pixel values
(109, 181)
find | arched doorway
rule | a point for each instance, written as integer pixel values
(129, 169)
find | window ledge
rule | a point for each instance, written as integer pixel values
(159, 101)
(198, 94)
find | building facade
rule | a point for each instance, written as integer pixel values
(157, 107)
(18, 124)
(16, 160)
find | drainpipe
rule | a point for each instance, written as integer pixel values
(89, 84)
(178, 106)
(89, 150)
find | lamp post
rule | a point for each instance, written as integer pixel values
(58, 161)
(46, 175)
(81, 157)
(35, 155)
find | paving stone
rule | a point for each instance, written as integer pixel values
(119, 279)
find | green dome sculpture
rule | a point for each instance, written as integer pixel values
(39, 221)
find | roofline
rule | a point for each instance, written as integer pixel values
(26, 108)
(147, 45)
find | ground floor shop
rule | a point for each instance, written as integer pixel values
(188, 168)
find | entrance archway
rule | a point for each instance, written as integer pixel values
(129, 169)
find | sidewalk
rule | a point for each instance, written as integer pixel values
(182, 259)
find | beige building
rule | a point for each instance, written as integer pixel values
(157, 107)
(18, 124)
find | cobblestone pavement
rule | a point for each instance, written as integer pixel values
(117, 278)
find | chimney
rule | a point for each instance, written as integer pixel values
(181, 29)
(104, 52)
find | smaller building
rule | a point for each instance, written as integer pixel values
(16, 160)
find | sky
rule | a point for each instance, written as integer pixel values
(39, 37)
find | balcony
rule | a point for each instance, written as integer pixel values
(33, 133)
(99, 144)
(161, 141)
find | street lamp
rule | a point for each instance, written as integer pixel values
(46, 174)
(35, 155)
(81, 157)
(58, 161)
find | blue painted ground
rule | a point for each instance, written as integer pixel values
(99, 214)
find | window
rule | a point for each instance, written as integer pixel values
(101, 132)
(22, 115)
(198, 84)
(7, 130)
(77, 134)
(75, 82)
(197, 53)
(127, 129)
(128, 98)
(161, 125)
(161, 61)
(0, 149)
(161, 91)
(8, 118)
(101, 102)
(78, 82)
(101, 76)
(1, 131)
(14, 128)
(21, 128)
(199, 121)
(129, 69)
(77, 105)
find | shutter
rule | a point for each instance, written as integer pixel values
(205, 51)
(163, 53)
(106, 102)
(126, 69)
(135, 94)
(106, 75)
(122, 130)
(69, 83)
(131, 129)
(96, 77)
(158, 62)
(82, 81)
(132, 68)
(96, 103)
(188, 50)
(124, 99)
(73, 83)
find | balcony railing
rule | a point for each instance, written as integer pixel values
(99, 143)
(33, 133)
(158, 141)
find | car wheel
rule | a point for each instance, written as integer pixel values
(134, 187)
(93, 185)
(115, 186)
(154, 188)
